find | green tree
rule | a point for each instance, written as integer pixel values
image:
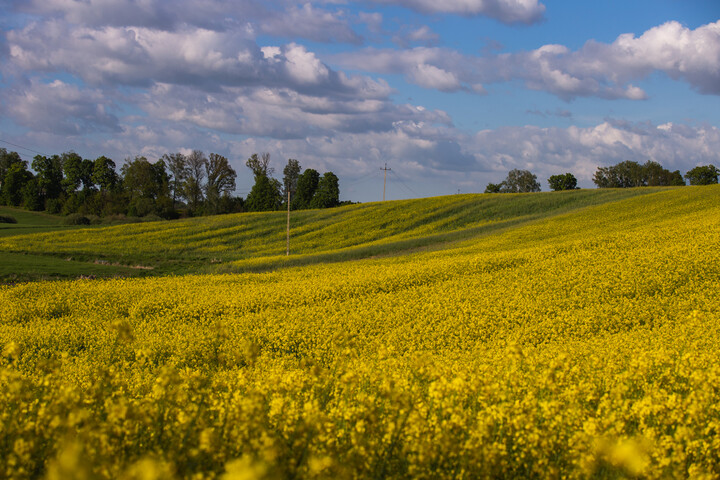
(146, 185)
(494, 187)
(86, 175)
(327, 194)
(306, 186)
(566, 181)
(630, 174)
(72, 166)
(520, 181)
(220, 182)
(625, 174)
(32, 197)
(7, 159)
(104, 174)
(16, 177)
(703, 175)
(657, 176)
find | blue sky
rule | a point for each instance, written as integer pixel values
(451, 95)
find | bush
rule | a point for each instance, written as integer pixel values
(76, 219)
(151, 218)
(7, 219)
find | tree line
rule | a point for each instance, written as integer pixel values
(175, 185)
(622, 175)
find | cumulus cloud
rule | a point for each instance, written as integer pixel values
(202, 58)
(429, 76)
(61, 108)
(280, 112)
(595, 70)
(506, 11)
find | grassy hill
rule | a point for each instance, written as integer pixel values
(256, 241)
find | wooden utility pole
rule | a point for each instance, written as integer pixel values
(385, 179)
(287, 236)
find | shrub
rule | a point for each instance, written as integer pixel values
(76, 219)
(151, 218)
(7, 219)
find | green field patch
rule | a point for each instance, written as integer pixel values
(20, 267)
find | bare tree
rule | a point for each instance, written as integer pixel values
(194, 186)
(220, 181)
(260, 165)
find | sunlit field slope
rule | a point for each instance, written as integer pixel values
(579, 345)
(256, 241)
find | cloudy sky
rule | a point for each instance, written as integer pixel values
(451, 94)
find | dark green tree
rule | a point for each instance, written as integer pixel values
(7, 159)
(86, 175)
(327, 194)
(49, 177)
(630, 174)
(658, 176)
(306, 186)
(565, 181)
(72, 165)
(104, 174)
(703, 175)
(265, 195)
(625, 174)
(16, 177)
(146, 185)
(32, 198)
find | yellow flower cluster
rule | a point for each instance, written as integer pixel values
(580, 346)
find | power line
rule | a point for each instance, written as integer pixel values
(20, 146)
(362, 179)
(405, 185)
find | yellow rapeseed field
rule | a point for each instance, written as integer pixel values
(584, 345)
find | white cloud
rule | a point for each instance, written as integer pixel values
(507, 11)
(595, 70)
(193, 56)
(304, 66)
(429, 76)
